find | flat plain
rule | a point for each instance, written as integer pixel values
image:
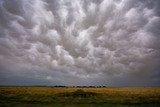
(48, 96)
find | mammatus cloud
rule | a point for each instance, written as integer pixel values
(80, 42)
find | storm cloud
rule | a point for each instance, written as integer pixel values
(80, 42)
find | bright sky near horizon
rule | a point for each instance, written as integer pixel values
(80, 42)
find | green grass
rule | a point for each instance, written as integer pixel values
(73, 95)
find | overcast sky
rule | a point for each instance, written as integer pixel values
(80, 42)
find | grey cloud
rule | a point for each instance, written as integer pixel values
(80, 42)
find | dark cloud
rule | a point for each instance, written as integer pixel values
(80, 42)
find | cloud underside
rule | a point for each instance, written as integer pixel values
(80, 42)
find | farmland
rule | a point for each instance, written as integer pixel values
(18, 96)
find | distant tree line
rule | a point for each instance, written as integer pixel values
(81, 86)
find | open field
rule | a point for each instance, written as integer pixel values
(73, 96)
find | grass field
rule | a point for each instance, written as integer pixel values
(78, 96)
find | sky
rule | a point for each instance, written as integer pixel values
(80, 42)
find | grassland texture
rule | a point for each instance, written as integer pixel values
(73, 95)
